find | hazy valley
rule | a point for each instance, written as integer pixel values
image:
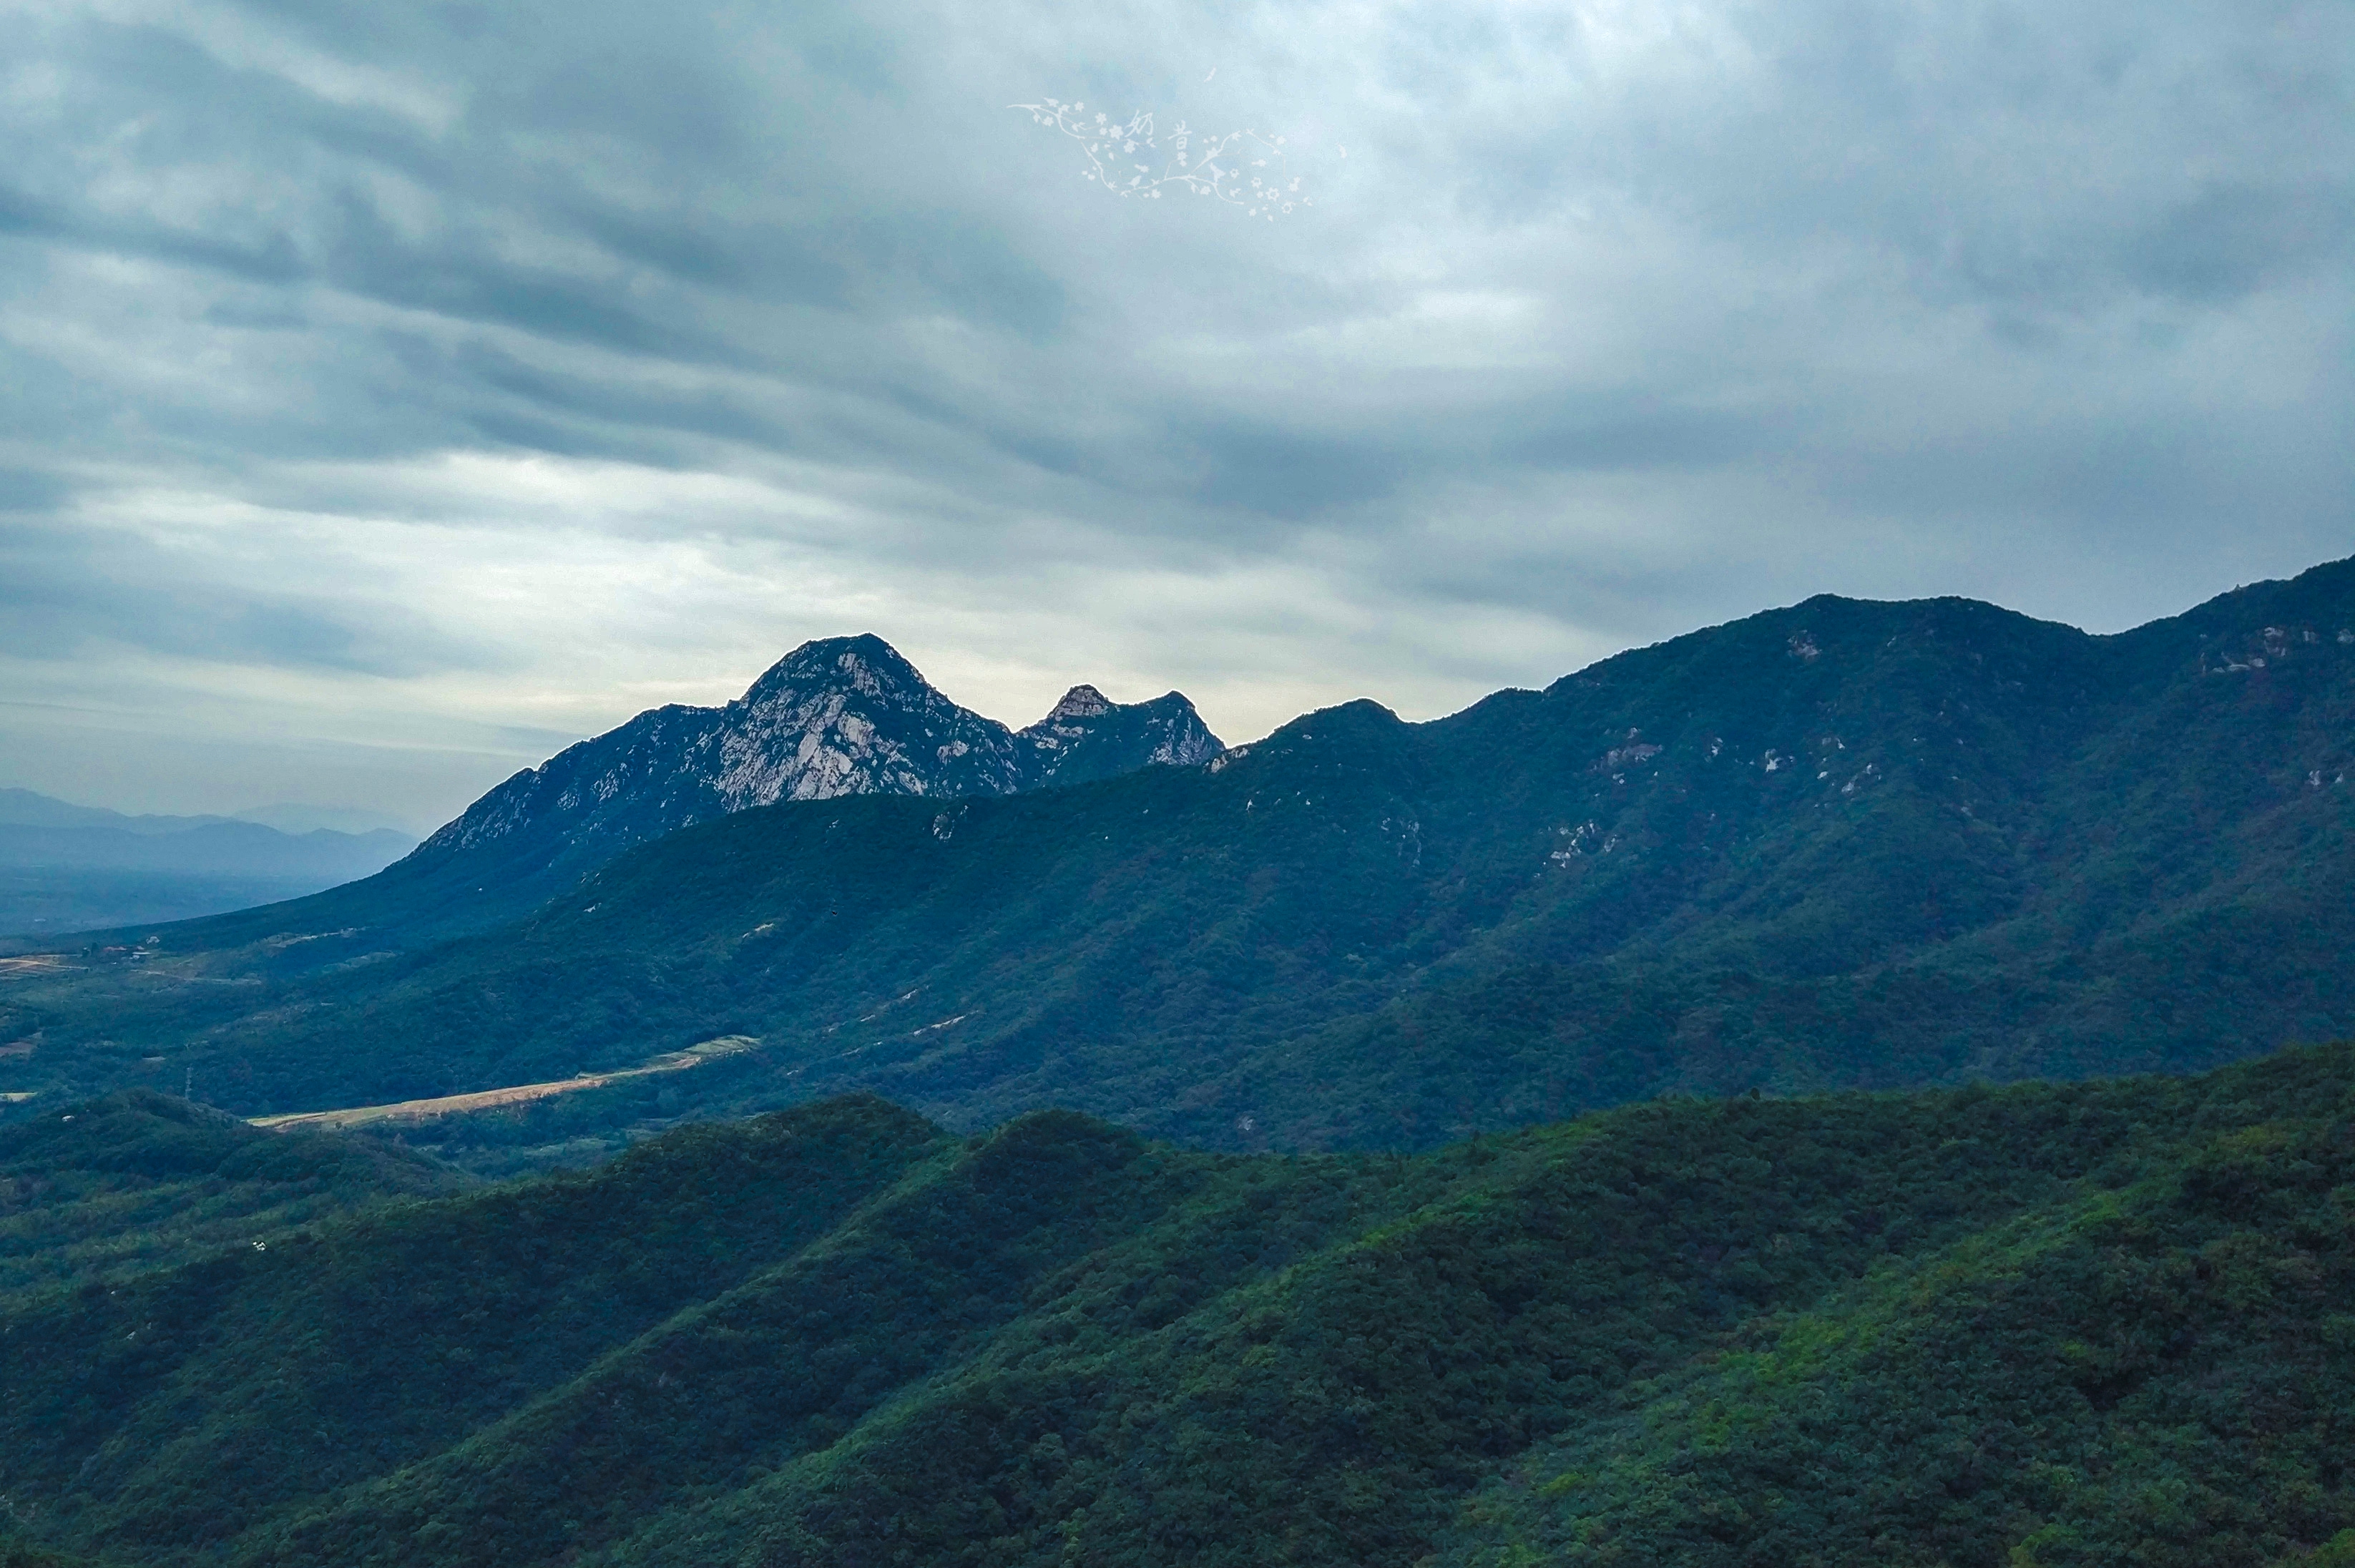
(66, 868)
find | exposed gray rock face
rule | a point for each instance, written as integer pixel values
(840, 716)
(1088, 737)
(849, 716)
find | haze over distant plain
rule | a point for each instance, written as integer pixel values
(395, 394)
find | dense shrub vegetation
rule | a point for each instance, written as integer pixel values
(102, 1189)
(2090, 1323)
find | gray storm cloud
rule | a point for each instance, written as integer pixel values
(393, 391)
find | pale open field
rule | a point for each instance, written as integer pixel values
(34, 965)
(516, 1094)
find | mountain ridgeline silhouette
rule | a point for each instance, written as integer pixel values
(837, 716)
(67, 867)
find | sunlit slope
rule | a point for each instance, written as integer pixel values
(2107, 1321)
(1843, 843)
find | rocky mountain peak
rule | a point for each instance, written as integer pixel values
(1080, 702)
(1088, 736)
(837, 716)
(865, 665)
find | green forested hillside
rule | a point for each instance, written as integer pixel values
(1842, 844)
(2090, 1323)
(95, 1191)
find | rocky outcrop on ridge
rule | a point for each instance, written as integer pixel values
(836, 717)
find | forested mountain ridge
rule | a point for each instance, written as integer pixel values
(2071, 1324)
(1840, 843)
(93, 1193)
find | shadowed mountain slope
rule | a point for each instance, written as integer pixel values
(96, 1191)
(2079, 1323)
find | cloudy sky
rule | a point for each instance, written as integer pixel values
(396, 392)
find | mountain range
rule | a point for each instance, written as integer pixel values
(65, 866)
(836, 717)
(1844, 843)
(1754, 1316)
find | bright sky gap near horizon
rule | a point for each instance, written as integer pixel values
(395, 394)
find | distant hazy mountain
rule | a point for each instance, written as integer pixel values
(1840, 843)
(295, 816)
(22, 808)
(69, 867)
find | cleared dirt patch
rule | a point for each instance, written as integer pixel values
(34, 965)
(491, 1099)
